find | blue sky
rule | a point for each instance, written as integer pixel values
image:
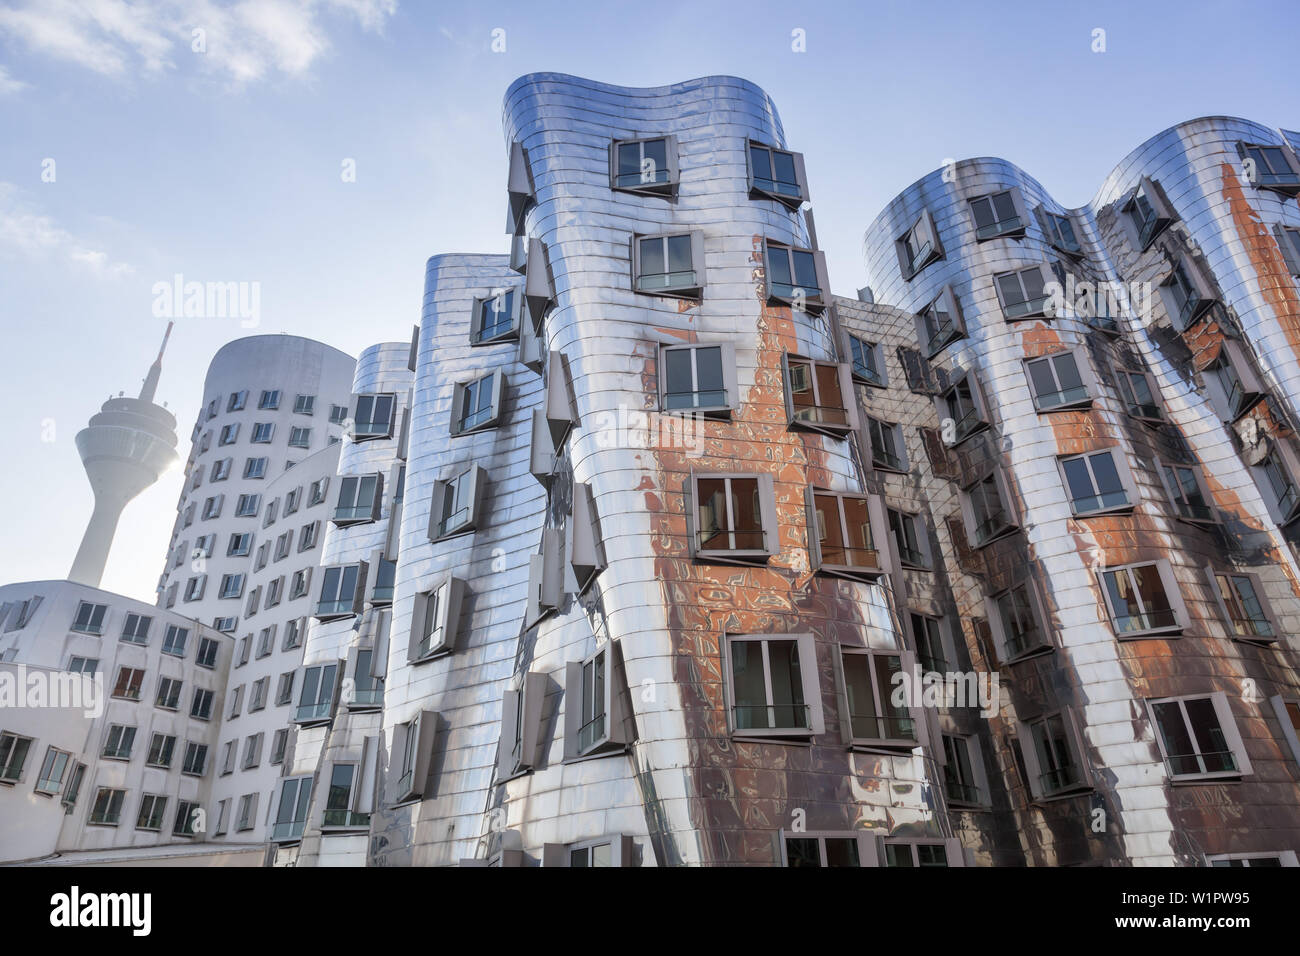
(225, 165)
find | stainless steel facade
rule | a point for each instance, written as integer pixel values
(1219, 225)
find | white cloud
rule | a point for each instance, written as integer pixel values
(35, 235)
(244, 40)
(8, 84)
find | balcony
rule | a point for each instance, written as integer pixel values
(329, 609)
(344, 819)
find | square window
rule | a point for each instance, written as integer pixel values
(107, 809)
(341, 798)
(129, 681)
(868, 362)
(456, 503)
(229, 434)
(888, 450)
(360, 499)
(1138, 396)
(496, 317)
(299, 437)
(1143, 599)
(735, 517)
(196, 759)
(316, 700)
(169, 693)
(963, 404)
(341, 591)
(374, 417)
(237, 401)
(986, 509)
(671, 265)
(1186, 493)
(136, 629)
(777, 174)
(161, 747)
(796, 277)
(919, 246)
(871, 713)
(1022, 292)
(1242, 606)
(999, 214)
(254, 467)
(270, 399)
(207, 653)
(1052, 750)
(644, 165)
(1017, 622)
(477, 404)
(940, 324)
(698, 378)
(817, 395)
(1058, 381)
(262, 432)
(1270, 167)
(53, 770)
(89, 618)
(911, 539)
(304, 404)
(843, 534)
(1198, 737)
(1098, 482)
(1060, 232)
(13, 756)
(118, 744)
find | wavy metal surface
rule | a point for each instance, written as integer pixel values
(1149, 821)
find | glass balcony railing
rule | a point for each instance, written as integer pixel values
(382, 595)
(1145, 620)
(994, 229)
(1144, 410)
(453, 522)
(749, 538)
(475, 418)
(1021, 640)
(503, 325)
(771, 717)
(1219, 761)
(821, 415)
(1065, 396)
(284, 832)
(370, 697)
(941, 337)
(1195, 511)
(967, 423)
(685, 401)
(591, 733)
(362, 512)
(786, 290)
(666, 281)
(1101, 502)
(884, 458)
(1252, 627)
(334, 608)
(371, 429)
(1035, 306)
(310, 712)
(871, 727)
(843, 556)
(344, 818)
(776, 186)
(911, 556)
(867, 373)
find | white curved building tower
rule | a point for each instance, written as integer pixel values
(124, 448)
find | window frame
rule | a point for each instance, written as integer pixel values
(371, 434)
(979, 407)
(848, 396)
(616, 729)
(1230, 623)
(1040, 308)
(1201, 297)
(1227, 726)
(757, 191)
(643, 188)
(731, 389)
(1286, 187)
(815, 301)
(898, 743)
(1128, 484)
(476, 475)
(1009, 510)
(1037, 606)
(1088, 379)
(494, 408)
(1015, 227)
(681, 290)
(1053, 233)
(1181, 620)
(1173, 496)
(509, 300)
(1076, 748)
(878, 527)
(932, 345)
(923, 558)
(923, 234)
(898, 464)
(1143, 234)
(806, 647)
(873, 353)
(765, 489)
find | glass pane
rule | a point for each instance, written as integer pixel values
(761, 160)
(784, 165)
(898, 854)
(1040, 374)
(652, 257)
(713, 519)
(842, 851)
(629, 163)
(708, 376)
(1178, 742)
(678, 389)
(983, 210)
(778, 260)
(805, 271)
(1009, 285)
(1078, 480)
(679, 253)
(787, 685)
(1211, 742)
(862, 698)
(749, 685)
(748, 516)
(802, 851)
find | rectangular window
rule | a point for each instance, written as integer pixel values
(246, 818)
(887, 447)
(339, 591)
(338, 414)
(1198, 737)
(127, 686)
(1059, 229)
(229, 434)
(1098, 482)
(595, 705)
(381, 595)
(496, 317)
(817, 393)
(964, 781)
(1270, 167)
(1138, 396)
(1237, 860)
(359, 499)
(169, 693)
(868, 361)
(927, 637)
(1143, 599)
(1288, 241)
(13, 755)
(232, 586)
(1281, 487)
(914, 853)
(986, 511)
(1017, 623)
(868, 699)
(340, 799)
(252, 752)
(1242, 606)
(998, 214)
(255, 467)
(187, 814)
(90, 618)
(107, 809)
(669, 264)
(53, 770)
(299, 584)
(1052, 756)
(1186, 494)
(221, 469)
(736, 517)
(644, 165)
(940, 324)
(374, 417)
(1021, 293)
(226, 625)
(207, 656)
(119, 742)
(201, 706)
(293, 633)
(304, 404)
(237, 401)
(1057, 382)
(777, 174)
(262, 432)
(772, 685)
(412, 751)
(241, 544)
(961, 403)
(161, 747)
(1186, 293)
(196, 759)
(843, 540)
(795, 276)
(299, 437)
(698, 378)
(815, 850)
(212, 507)
(918, 247)
(477, 404)
(136, 629)
(284, 691)
(456, 503)
(83, 665)
(434, 623)
(279, 743)
(1148, 215)
(270, 399)
(911, 539)
(316, 702)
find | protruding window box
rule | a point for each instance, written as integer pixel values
(1144, 600)
(796, 277)
(1198, 738)
(1061, 381)
(496, 317)
(1135, 388)
(867, 363)
(964, 404)
(1098, 482)
(1147, 214)
(733, 518)
(1243, 609)
(372, 417)
(999, 215)
(457, 502)
(476, 404)
(1018, 623)
(342, 590)
(777, 174)
(670, 264)
(869, 717)
(597, 716)
(1023, 294)
(819, 395)
(919, 246)
(647, 166)
(1052, 748)
(846, 533)
(940, 324)
(771, 686)
(1271, 167)
(435, 621)
(1187, 294)
(698, 379)
(360, 498)
(319, 694)
(988, 509)
(1186, 492)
